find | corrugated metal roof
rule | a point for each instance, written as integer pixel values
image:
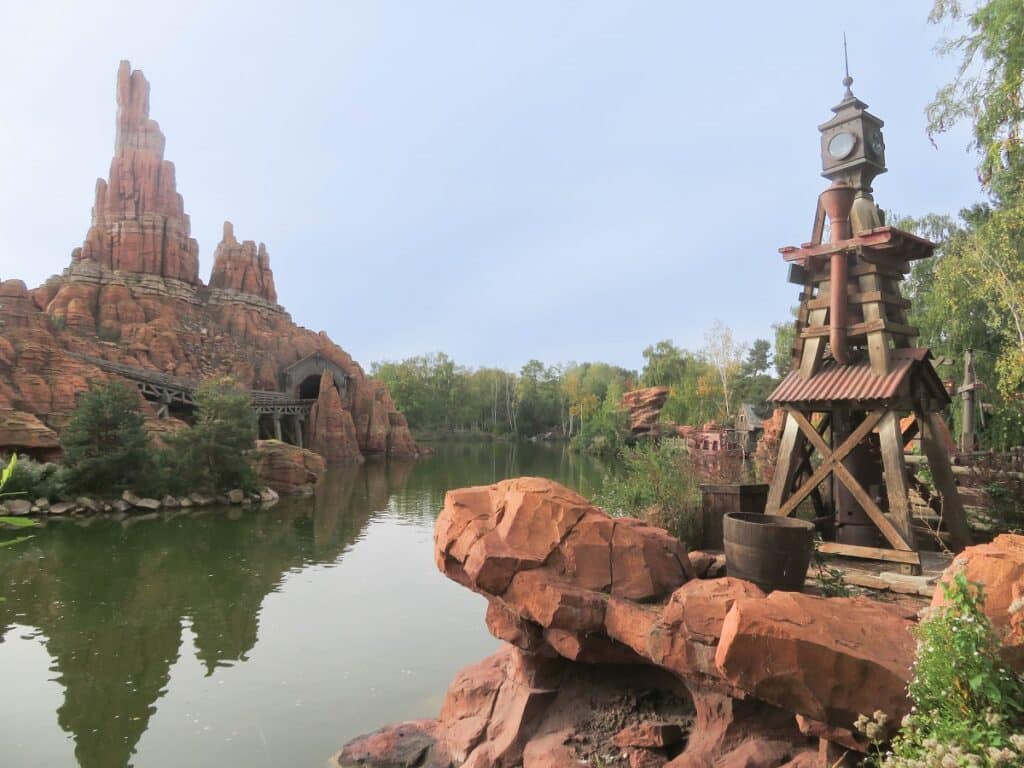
(849, 382)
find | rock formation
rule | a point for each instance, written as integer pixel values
(132, 296)
(644, 406)
(747, 679)
(138, 219)
(286, 468)
(244, 267)
(331, 431)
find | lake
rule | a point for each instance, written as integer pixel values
(251, 638)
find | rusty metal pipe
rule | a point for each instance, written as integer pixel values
(837, 201)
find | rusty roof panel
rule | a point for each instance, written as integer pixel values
(849, 382)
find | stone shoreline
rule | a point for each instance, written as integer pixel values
(130, 502)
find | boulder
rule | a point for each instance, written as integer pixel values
(63, 508)
(17, 507)
(830, 659)
(649, 734)
(286, 469)
(145, 503)
(169, 502)
(201, 499)
(999, 566)
(236, 496)
(89, 504)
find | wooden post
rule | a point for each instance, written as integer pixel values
(938, 459)
(967, 440)
(789, 458)
(896, 476)
(277, 426)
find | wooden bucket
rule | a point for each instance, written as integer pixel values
(769, 550)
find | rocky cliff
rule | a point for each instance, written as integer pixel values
(132, 296)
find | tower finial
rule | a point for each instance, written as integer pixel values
(847, 81)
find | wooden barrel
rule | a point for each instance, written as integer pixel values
(769, 550)
(719, 499)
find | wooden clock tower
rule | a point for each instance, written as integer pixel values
(855, 374)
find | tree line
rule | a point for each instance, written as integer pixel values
(581, 401)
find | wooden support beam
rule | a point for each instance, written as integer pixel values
(861, 329)
(891, 440)
(831, 460)
(870, 553)
(862, 297)
(953, 514)
(812, 351)
(790, 447)
(871, 508)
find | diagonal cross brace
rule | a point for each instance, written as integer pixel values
(832, 463)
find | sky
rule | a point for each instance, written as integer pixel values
(500, 181)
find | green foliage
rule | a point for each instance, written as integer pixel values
(831, 581)
(657, 483)
(968, 706)
(34, 480)
(211, 455)
(987, 88)
(604, 432)
(12, 522)
(105, 445)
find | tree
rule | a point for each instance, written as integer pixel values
(665, 365)
(212, 454)
(724, 355)
(987, 89)
(105, 445)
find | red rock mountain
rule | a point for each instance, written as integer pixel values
(132, 296)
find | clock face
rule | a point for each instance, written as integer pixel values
(876, 143)
(841, 145)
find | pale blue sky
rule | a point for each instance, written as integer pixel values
(497, 180)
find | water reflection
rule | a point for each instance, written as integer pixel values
(109, 599)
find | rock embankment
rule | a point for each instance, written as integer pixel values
(617, 647)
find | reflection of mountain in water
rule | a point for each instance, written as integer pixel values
(110, 597)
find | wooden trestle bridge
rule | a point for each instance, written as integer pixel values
(166, 390)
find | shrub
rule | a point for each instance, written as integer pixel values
(968, 706)
(211, 455)
(11, 522)
(105, 445)
(32, 480)
(658, 483)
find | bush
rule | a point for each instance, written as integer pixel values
(30, 479)
(605, 431)
(968, 706)
(212, 454)
(658, 483)
(105, 445)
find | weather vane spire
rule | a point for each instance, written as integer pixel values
(847, 81)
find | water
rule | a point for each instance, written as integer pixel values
(255, 638)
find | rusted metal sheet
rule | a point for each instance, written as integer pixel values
(850, 382)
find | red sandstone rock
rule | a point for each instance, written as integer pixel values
(649, 734)
(644, 406)
(242, 267)
(685, 637)
(23, 433)
(139, 222)
(286, 468)
(331, 432)
(406, 745)
(132, 296)
(828, 659)
(550, 751)
(494, 538)
(999, 566)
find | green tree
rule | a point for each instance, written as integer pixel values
(211, 455)
(987, 89)
(105, 445)
(664, 365)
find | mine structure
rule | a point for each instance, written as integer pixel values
(854, 372)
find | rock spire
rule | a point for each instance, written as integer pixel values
(242, 267)
(138, 218)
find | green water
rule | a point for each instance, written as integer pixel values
(256, 638)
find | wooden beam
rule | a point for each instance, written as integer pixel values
(871, 508)
(862, 329)
(938, 460)
(862, 297)
(891, 440)
(869, 553)
(831, 459)
(790, 447)
(810, 359)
